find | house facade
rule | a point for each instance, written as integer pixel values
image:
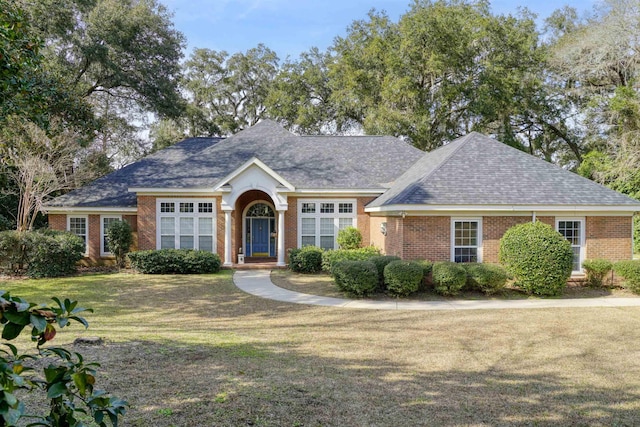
(264, 190)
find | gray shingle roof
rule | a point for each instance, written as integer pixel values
(478, 170)
(313, 162)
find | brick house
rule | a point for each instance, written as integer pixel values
(264, 190)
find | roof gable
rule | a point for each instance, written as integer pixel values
(478, 170)
(246, 167)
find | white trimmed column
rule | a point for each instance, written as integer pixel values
(227, 238)
(281, 239)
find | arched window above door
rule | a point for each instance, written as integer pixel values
(260, 210)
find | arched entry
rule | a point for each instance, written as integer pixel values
(259, 229)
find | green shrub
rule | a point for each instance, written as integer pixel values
(6, 223)
(329, 258)
(306, 260)
(427, 266)
(53, 253)
(358, 278)
(381, 262)
(349, 238)
(13, 250)
(488, 278)
(403, 278)
(120, 239)
(596, 270)
(449, 278)
(175, 261)
(630, 271)
(538, 257)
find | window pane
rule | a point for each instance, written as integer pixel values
(186, 226)
(326, 242)
(205, 226)
(308, 226)
(326, 207)
(167, 207)
(466, 255)
(308, 208)
(186, 242)
(345, 222)
(186, 207)
(78, 226)
(167, 242)
(466, 233)
(345, 207)
(205, 207)
(326, 226)
(205, 243)
(308, 241)
(167, 226)
(576, 258)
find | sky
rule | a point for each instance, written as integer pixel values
(290, 27)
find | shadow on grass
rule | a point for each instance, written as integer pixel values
(238, 384)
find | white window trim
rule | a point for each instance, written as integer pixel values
(583, 234)
(336, 215)
(176, 215)
(102, 231)
(86, 240)
(453, 236)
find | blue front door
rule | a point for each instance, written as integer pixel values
(260, 237)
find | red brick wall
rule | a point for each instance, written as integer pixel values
(493, 228)
(427, 237)
(57, 222)
(146, 222)
(608, 237)
(291, 226)
(364, 220)
(132, 220)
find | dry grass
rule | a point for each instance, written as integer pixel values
(195, 351)
(322, 284)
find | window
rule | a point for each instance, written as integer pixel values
(320, 221)
(466, 240)
(186, 224)
(573, 230)
(105, 222)
(79, 225)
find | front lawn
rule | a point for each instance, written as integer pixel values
(196, 351)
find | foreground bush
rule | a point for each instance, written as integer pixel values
(630, 271)
(488, 278)
(403, 278)
(329, 258)
(44, 253)
(381, 262)
(538, 257)
(596, 270)
(358, 278)
(67, 381)
(449, 277)
(306, 260)
(349, 238)
(175, 261)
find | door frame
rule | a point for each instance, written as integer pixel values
(244, 226)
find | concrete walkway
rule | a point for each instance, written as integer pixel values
(258, 283)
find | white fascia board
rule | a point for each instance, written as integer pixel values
(426, 209)
(259, 163)
(164, 191)
(352, 192)
(89, 210)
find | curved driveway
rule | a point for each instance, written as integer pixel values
(258, 283)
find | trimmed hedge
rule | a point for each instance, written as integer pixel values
(488, 278)
(120, 238)
(331, 257)
(596, 270)
(402, 278)
(44, 253)
(349, 238)
(306, 260)
(358, 278)
(427, 266)
(449, 277)
(630, 271)
(381, 262)
(174, 261)
(539, 258)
